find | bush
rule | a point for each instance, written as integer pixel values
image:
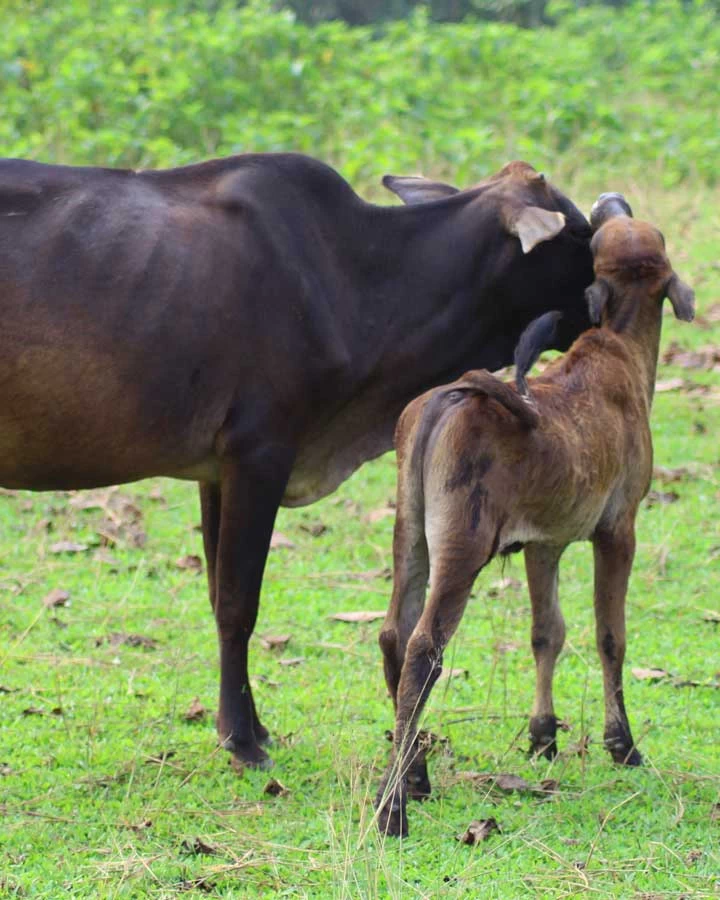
(129, 83)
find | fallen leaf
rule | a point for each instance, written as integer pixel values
(651, 674)
(279, 541)
(292, 661)
(446, 674)
(275, 789)
(671, 384)
(56, 597)
(511, 783)
(660, 498)
(315, 528)
(715, 812)
(504, 584)
(191, 562)
(711, 616)
(706, 358)
(662, 473)
(477, 831)
(33, 711)
(68, 547)
(196, 712)
(7, 690)
(385, 573)
(547, 787)
(139, 827)
(198, 847)
(376, 515)
(119, 638)
(359, 616)
(275, 641)
(5, 770)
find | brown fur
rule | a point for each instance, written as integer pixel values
(493, 474)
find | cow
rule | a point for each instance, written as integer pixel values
(252, 324)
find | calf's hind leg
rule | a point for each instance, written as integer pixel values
(548, 636)
(453, 572)
(410, 576)
(614, 552)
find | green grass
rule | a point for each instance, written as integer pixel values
(108, 791)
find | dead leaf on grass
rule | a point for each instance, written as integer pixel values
(292, 661)
(191, 562)
(707, 358)
(315, 528)
(376, 515)
(196, 712)
(139, 827)
(7, 690)
(447, 674)
(119, 638)
(547, 787)
(274, 789)
(68, 547)
(56, 597)
(477, 831)
(650, 674)
(275, 641)
(5, 770)
(668, 475)
(279, 541)
(670, 384)
(502, 585)
(198, 847)
(661, 498)
(157, 759)
(712, 616)
(358, 616)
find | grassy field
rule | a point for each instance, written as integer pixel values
(110, 781)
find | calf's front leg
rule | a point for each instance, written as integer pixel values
(614, 552)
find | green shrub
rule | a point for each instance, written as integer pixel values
(128, 83)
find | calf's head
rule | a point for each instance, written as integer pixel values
(631, 267)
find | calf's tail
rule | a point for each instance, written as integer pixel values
(482, 382)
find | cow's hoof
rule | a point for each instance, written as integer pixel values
(418, 783)
(247, 754)
(620, 745)
(391, 813)
(262, 735)
(392, 820)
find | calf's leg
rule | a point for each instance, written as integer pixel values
(453, 571)
(410, 576)
(548, 636)
(614, 552)
(249, 499)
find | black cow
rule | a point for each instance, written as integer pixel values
(253, 325)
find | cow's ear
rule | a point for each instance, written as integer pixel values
(597, 296)
(682, 298)
(412, 189)
(533, 225)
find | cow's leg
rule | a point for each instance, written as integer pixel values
(614, 552)
(410, 576)
(548, 636)
(453, 571)
(210, 511)
(250, 497)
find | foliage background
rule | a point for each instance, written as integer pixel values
(133, 83)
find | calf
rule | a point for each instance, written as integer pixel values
(484, 471)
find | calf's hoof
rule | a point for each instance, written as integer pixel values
(543, 731)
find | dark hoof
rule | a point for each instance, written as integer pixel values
(543, 730)
(625, 757)
(247, 754)
(391, 813)
(418, 783)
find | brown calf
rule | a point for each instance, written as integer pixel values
(484, 471)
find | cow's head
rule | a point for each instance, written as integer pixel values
(535, 244)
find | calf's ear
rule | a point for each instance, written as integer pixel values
(597, 296)
(533, 225)
(682, 298)
(412, 189)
